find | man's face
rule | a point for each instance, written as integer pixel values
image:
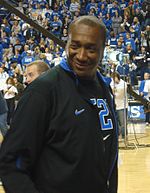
(85, 50)
(31, 73)
(146, 76)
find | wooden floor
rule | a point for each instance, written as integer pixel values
(134, 161)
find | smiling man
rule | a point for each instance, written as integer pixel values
(63, 137)
(85, 48)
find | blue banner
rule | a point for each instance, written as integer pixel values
(136, 112)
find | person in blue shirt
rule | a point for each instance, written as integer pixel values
(144, 91)
(25, 49)
(123, 69)
(102, 2)
(28, 58)
(107, 21)
(17, 56)
(65, 13)
(91, 4)
(5, 40)
(55, 26)
(120, 46)
(136, 26)
(6, 28)
(1, 52)
(103, 10)
(143, 62)
(54, 13)
(43, 3)
(136, 4)
(114, 9)
(83, 4)
(123, 5)
(130, 41)
(112, 41)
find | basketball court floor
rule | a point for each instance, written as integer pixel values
(134, 160)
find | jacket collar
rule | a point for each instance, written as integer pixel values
(64, 64)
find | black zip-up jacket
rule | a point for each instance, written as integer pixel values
(60, 141)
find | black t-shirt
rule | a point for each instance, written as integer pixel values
(93, 91)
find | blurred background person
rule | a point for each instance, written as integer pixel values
(10, 92)
(35, 69)
(20, 88)
(144, 91)
(119, 88)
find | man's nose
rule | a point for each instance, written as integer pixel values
(82, 54)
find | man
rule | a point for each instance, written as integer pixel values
(63, 138)
(119, 88)
(34, 69)
(144, 91)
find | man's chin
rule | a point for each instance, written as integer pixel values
(83, 74)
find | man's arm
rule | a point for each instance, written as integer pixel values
(23, 144)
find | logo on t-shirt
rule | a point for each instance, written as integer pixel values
(104, 114)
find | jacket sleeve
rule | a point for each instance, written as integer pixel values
(141, 87)
(113, 186)
(23, 143)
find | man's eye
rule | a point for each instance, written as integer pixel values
(92, 49)
(74, 46)
(30, 74)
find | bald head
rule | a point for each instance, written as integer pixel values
(90, 21)
(85, 45)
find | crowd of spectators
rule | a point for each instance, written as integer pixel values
(127, 45)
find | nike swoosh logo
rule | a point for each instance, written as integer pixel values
(106, 137)
(78, 112)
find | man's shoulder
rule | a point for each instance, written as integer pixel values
(49, 76)
(47, 81)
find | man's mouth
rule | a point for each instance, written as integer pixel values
(81, 65)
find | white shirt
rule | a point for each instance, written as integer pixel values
(3, 78)
(13, 90)
(120, 94)
(147, 88)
